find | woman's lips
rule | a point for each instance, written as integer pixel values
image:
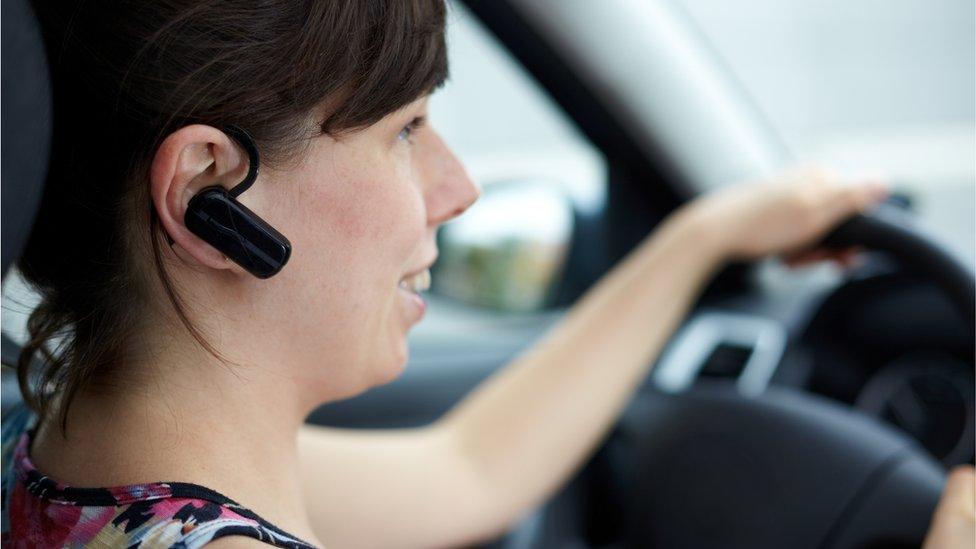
(409, 289)
(415, 305)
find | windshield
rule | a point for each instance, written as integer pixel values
(873, 87)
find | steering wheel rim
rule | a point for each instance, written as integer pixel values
(893, 230)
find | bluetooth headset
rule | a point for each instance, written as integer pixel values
(215, 215)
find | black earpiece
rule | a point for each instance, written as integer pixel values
(215, 215)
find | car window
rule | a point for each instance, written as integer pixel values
(872, 87)
(502, 124)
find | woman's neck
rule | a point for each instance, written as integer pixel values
(227, 427)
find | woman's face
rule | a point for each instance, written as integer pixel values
(361, 213)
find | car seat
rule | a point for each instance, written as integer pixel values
(25, 124)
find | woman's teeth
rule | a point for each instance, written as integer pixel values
(417, 283)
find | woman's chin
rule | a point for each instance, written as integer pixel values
(393, 367)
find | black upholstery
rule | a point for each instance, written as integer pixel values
(25, 117)
(26, 124)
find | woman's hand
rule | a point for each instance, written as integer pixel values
(784, 216)
(954, 522)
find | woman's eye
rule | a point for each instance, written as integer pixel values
(410, 128)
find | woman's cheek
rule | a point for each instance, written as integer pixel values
(385, 211)
(365, 208)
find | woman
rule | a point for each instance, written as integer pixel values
(163, 359)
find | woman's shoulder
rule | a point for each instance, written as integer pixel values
(42, 512)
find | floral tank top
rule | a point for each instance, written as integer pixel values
(40, 512)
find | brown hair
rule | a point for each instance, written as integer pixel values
(127, 73)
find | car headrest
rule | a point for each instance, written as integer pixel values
(25, 117)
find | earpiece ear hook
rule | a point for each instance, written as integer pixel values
(254, 162)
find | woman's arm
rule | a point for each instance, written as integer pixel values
(519, 435)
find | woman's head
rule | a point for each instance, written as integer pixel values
(332, 92)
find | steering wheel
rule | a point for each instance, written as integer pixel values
(789, 469)
(711, 468)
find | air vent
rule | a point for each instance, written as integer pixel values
(726, 361)
(722, 345)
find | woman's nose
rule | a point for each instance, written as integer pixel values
(451, 191)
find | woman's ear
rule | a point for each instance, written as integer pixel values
(188, 160)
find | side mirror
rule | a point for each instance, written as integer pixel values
(507, 252)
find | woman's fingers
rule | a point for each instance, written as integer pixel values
(790, 212)
(954, 523)
(960, 491)
(843, 201)
(838, 203)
